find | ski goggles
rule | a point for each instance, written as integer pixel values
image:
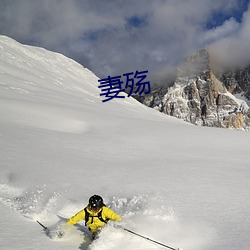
(94, 208)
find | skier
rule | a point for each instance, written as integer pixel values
(95, 214)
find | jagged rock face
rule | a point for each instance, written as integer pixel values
(237, 81)
(197, 96)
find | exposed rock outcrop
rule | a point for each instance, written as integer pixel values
(199, 97)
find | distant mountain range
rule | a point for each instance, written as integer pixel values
(203, 95)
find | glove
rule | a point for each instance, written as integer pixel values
(60, 234)
(62, 229)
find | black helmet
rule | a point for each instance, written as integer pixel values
(95, 202)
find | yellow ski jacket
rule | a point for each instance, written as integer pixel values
(94, 223)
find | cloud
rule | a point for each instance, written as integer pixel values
(114, 37)
(233, 49)
(228, 28)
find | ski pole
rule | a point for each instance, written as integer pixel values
(45, 228)
(146, 238)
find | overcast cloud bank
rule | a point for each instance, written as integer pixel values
(117, 37)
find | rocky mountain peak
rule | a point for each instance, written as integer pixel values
(201, 97)
(196, 64)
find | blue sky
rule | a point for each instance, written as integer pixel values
(218, 17)
(114, 37)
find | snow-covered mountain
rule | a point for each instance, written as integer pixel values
(204, 97)
(182, 185)
(237, 81)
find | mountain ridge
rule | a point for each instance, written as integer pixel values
(203, 96)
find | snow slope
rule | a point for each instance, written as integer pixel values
(176, 183)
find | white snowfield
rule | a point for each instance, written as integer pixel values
(181, 185)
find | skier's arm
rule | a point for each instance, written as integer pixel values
(77, 217)
(110, 214)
